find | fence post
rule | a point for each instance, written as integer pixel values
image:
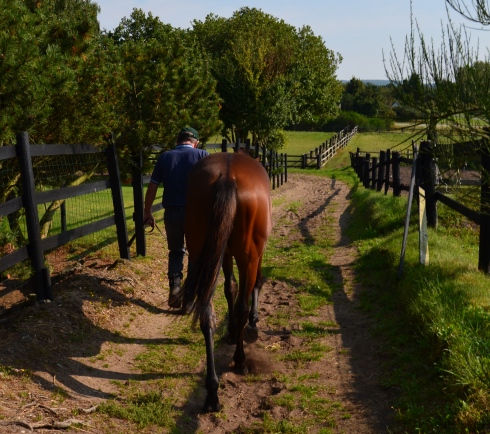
(285, 167)
(373, 172)
(271, 167)
(359, 163)
(137, 183)
(427, 176)
(366, 170)
(224, 145)
(387, 171)
(319, 161)
(248, 145)
(117, 200)
(484, 248)
(304, 162)
(42, 278)
(396, 173)
(276, 167)
(381, 170)
(63, 213)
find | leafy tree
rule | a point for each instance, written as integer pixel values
(318, 90)
(367, 99)
(166, 84)
(52, 80)
(268, 74)
(46, 85)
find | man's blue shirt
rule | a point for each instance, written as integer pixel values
(172, 169)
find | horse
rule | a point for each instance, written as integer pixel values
(228, 217)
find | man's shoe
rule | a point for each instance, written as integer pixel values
(175, 289)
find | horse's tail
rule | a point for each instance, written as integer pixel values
(202, 275)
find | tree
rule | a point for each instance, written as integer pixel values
(268, 73)
(45, 84)
(446, 85)
(166, 84)
(363, 98)
(479, 11)
(51, 83)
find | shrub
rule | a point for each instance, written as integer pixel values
(351, 119)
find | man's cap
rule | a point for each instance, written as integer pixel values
(191, 132)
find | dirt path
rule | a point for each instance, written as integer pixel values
(81, 348)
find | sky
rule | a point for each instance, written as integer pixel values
(363, 32)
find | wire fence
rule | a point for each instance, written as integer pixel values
(55, 217)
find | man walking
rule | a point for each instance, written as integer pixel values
(172, 170)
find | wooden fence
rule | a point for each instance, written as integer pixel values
(275, 163)
(374, 172)
(31, 198)
(318, 157)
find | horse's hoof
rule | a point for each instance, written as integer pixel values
(250, 334)
(211, 406)
(241, 370)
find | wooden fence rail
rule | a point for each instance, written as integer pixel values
(374, 173)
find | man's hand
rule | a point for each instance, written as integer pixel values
(149, 198)
(148, 219)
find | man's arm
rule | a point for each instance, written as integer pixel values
(151, 193)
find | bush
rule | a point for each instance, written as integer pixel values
(351, 119)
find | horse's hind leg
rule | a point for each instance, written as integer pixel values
(208, 327)
(231, 291)
(251, 332)
(247, 278)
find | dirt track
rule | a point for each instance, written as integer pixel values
(116, 311)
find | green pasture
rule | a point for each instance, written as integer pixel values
(300, 142)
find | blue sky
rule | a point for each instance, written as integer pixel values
(360, 30)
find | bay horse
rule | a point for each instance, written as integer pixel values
(228, 216)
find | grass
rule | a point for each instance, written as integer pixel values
(300, 142)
